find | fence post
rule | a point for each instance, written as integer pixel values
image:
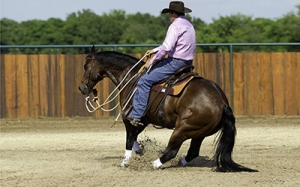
(231, 77)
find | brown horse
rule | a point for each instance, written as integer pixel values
(199, 111)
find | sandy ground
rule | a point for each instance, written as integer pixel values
(87, 152)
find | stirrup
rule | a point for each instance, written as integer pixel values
(134, 122)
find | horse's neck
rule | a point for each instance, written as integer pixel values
(118, 77)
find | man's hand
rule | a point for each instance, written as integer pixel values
(149, 52)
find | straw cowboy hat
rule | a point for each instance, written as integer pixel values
(176, 6)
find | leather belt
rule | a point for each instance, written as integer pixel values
(181, 59)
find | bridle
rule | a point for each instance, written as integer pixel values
(87, 85)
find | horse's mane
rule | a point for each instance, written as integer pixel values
(116, 60)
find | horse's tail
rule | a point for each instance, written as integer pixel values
(225, 143)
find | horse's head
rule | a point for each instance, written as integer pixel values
(92, 75)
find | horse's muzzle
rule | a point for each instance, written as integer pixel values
(83, 89)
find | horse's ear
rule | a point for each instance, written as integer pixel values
(99, 50)
(93, 50)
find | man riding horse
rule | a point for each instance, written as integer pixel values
(200, 110)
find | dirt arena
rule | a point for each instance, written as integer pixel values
(87, 152)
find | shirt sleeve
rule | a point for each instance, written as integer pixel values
(168, 44)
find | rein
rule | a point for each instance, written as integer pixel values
(88, 103)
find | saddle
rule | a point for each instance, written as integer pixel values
(175, 83)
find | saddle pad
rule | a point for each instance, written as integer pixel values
(176, 89)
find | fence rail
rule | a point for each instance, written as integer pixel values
(47, 85)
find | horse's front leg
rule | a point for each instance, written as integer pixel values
(136, 147)
(131, 136)
(132, 133)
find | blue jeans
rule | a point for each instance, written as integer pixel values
(157, 73)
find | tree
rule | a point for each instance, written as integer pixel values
(112, 27)
(8, 30)
(117, 27)
(8, 33)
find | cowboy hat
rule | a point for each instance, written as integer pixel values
(176, 6)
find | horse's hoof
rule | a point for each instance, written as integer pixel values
(137, 149)
(139, 152)
(156, 164)
(182, 162)
(125, 163)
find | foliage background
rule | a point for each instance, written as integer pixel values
(117, 27)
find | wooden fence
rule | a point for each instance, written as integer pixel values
(47, 85)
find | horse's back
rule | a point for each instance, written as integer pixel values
(206, 90)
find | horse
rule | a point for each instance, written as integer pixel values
(199, 111)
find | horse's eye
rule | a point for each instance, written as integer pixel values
(85, 67)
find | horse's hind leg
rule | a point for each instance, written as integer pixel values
(172, 149)
(193, 151)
